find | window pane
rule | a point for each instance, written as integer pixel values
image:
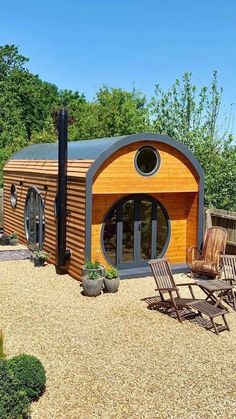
(147, 160)
(34, 219)
(162, 230)
(109, 237)
(146, 229)
(128, 232)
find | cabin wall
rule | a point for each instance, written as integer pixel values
(175, 185)
(180, 210)
(39, 174)
(119, 175)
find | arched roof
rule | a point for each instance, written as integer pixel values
(100, 149)
(77, 150)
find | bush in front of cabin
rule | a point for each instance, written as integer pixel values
(30, 373)
(14, 401)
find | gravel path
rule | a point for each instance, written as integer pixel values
(111, 357)
(18, 252)
(14, 255)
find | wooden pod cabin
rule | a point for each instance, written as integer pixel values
(129, 199)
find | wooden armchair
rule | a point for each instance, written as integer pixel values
(207, 262)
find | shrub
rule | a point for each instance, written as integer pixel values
(13, 399)
(2, 353)
(31, 374)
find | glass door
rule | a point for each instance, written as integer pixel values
(135, 231)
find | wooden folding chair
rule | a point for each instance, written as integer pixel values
(228, 263)
(166, 286)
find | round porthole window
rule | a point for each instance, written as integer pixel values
(13, 196)
(147, 161)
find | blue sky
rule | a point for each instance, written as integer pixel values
(81, 45)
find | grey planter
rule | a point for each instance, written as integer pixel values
(92, 287)
(99, 271)
(38, 262)
(112, 285)
(5, 241)
(13, 242)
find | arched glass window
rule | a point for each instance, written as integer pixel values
(34, 219)
(135, 230)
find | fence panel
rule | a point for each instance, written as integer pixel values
(226, 219)
(1, 208)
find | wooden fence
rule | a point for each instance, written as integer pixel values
(226, 219)
(1, 208)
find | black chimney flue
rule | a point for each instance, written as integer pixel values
(62, 253)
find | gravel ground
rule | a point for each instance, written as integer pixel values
(111, 357)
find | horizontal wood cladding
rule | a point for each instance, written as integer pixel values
(14, 218)
(192, 221)
(179, 207)
(119, 175)
(75, 168)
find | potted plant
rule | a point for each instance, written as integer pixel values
(4, 240)
(95, 266)
(40, 257)
(13, 239)
(111, 279)
(92, 283)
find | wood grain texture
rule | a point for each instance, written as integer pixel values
(119, 175)
(178, 206)
(76, 168)
(14, 218)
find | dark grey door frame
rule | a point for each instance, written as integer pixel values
(137, 261)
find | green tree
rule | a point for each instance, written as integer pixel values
(113, 112)
(191, 116)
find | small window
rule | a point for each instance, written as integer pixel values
(147, 161)
(13, 196)
(34, 219)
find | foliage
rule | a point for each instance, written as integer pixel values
(111, 273)
(185, 112)
(2, 354)
(190, 115)
(93, 275)
(30, 372)
(14, 235)
(13, 398)
(40, 254)
(92, 265)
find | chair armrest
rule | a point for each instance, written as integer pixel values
(186, 284)
(193, 253)
(167, 289)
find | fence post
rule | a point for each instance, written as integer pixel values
(208, 219)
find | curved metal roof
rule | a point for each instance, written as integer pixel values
(100, 149)
(77, 150)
